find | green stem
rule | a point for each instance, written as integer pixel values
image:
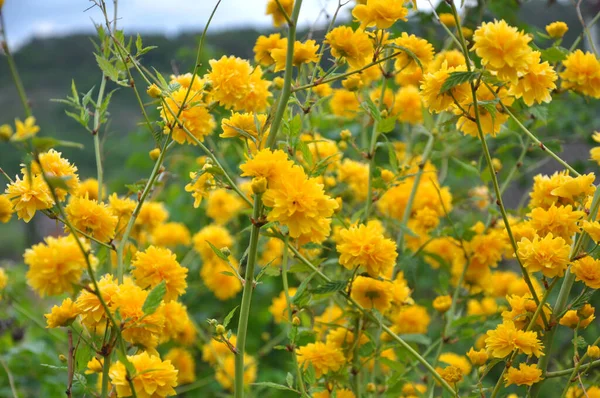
(13, 68)
(371, 155)
(411, 351)
(538, 142)
(96, 132)
(287, 76)
(515, 167)
(247, 298)
(105, 369)
(569, 371)
(490, 163)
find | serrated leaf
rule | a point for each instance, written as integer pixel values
(306, 153)
(154, 298)
(309, 374)
(540, 112)
(369, 106)
(456, 79)
(229, 316)
(289, 379)
(107, 68)
(330, 287)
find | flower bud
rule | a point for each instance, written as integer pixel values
(6, 131)
(477, 357)
(61, 357)
(371, 387)
(387, 176)
(343, 145)
(442, 303)
(593, 351)
(557, 29)
(278, 81)
(345, 134)
(225, 250)
(497, 164)
(586, 311)
(154, 154)
(220, 329)
(259, 185)
(296, 321)
(154, 91)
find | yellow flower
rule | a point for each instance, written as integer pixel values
(122, 208)
(217, 235)
(522, 308)
(526, 375)
(177, 322)
(408, 105)
(28, 196)
(442, 303)
(92, 312)
(380, 13)
(137, 327)
(279, 306)
(322, 90)
(536, 83)
(171, 234)
(264, 45)
(223, 206)
(304, 53)
(582, 73)
(3, 279)
(432, 84)
(301, 204)
(249, 123)
(339, 393)
(225, 374)
(89, 187)
(366, 246)
(200, 186)
(6, 209)
(593, 351)
(274, 10)
(487, 306)
(413, 390)
(549, 255)
(194, 117)
(151, 215)
(223, 286)
(355, 47)
(528, 343)
(447, 19)
(272, 253)
(344, 103)
(91, 217)
(452, 59)
(6, 131)
(573, 189)
(94, 365)
(345, 340)
(557, 29)
(491, 122)
(560, 189)
(356, 175)
(560, 221)
(501, 341)
(451, 374)
(459, 361)
(411, 319)
(183, 361)
(372, 293)
(154, 265)
(55, 265)
(152, 378)
(420, 48)
(503, 49)
(477, 358)
(272, 165)
(236, 85)
(62, 315)
(323, 357)
(25, 130)
(55, 166)
(587, 270)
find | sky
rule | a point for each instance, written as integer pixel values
(26, 19)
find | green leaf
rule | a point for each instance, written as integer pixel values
(416, 338)
(154, 298)
(581, 343)
(276, 386)
(465, 166)
(218, 252)
(306, 154)
(369, 106)
(309, 374)
(410, 54)
(302, 296)
(229, 316)
(128, 365)
(330, 287)
(107, 68)
(554, 54)
(289, 379)
(386, 125)
(305, 337)
(456, 79)
(82, 356)
(42, 144)
(58, 182)
(540, 112)
(295, 125)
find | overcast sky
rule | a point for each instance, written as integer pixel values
(42, 18)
